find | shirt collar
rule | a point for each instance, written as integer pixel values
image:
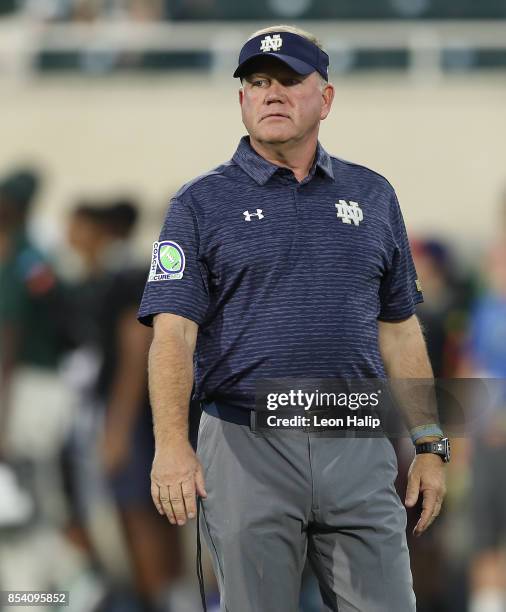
(262, 170)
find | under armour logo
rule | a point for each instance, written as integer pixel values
(248, 215)
(349, 211)
(271, 43)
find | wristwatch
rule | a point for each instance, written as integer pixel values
(441, 448)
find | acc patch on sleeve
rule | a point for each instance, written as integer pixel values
(167, 261)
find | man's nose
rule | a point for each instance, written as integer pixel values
(275, 93)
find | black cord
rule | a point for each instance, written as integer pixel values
(200, 574)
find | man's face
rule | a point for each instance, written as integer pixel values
(279, 105)
(85, 235)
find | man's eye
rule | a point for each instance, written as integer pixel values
(258, 83)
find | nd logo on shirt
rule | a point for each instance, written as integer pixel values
(167, 261)
(349, 212)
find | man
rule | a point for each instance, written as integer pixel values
(486, 358)
(261, 271)
(32, 338)
(114, 414)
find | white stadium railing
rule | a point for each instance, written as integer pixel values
(21, 40)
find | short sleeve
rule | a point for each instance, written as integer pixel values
(400, 288)
(177, 280)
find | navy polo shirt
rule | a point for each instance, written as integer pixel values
(284, 279)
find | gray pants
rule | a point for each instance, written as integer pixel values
(275, 499)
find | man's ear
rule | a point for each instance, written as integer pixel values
(328, 97)
(241, 96)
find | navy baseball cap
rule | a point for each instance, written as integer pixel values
(295, 51)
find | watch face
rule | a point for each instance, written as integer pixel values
(441, 448)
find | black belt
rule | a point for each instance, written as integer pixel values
(239, 416)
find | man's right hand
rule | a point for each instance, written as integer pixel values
(176, 478)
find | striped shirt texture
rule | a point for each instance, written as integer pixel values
(294, 290)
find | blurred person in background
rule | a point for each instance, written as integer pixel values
(31, 309)
(145, 10)
(83, 480)
(443, 316)
(134, 10)
(444, 313)
(60, 10)
(90, 11)
(34, 401)
(106, 305)
(487, 359)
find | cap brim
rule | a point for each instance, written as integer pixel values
(295, 64)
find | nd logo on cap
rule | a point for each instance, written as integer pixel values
(297, 52)
(271, 43)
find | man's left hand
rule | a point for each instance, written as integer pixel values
(426, 475)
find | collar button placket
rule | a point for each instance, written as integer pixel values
(298, 209)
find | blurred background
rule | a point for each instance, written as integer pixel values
(106, 108)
